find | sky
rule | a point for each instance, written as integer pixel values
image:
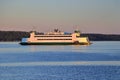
(89, 16)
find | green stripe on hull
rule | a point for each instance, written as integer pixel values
(25, 43)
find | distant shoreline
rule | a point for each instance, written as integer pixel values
(13, 36)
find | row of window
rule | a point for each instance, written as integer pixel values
(54, 39)
(77, 36)
(52, 36)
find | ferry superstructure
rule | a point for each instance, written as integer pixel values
(55, 38)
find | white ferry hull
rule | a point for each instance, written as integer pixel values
(55, 38)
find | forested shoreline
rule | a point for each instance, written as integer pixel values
(18, 35)
(12, 35)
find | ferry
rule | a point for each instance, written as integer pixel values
(56, 38)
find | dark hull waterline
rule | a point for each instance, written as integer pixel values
(37, 43)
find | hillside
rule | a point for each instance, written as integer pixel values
(12, 35)
(103, 37)
(18, 35)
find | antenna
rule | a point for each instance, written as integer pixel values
(77, 28)
(33, 28)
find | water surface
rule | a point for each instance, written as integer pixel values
(99, 61)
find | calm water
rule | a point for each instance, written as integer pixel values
(99, 61)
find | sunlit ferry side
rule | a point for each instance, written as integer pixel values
(55, 38)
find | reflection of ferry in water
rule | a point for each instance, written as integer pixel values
(55, 38)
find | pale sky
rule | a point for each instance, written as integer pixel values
(90, 16)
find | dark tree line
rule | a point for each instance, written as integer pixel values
(18, 35)
(103, 37)
(12, 35)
